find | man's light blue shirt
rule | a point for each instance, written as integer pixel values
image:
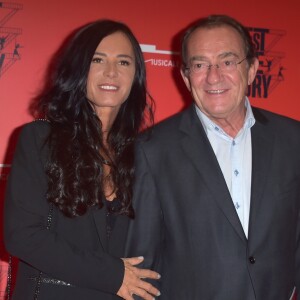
(235, 159)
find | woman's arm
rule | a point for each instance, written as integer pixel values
(26, 211)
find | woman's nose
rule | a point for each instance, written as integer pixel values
(111, 70)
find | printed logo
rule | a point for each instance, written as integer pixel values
(159, 61)
(9, 37)
(271, 70)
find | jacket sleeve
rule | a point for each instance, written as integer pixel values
(146, 232)
(25, 220)
(298, 258)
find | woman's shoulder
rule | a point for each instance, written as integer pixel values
(38, 126)
(36, 131)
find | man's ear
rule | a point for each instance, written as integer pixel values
(252, 70)
(185, 78)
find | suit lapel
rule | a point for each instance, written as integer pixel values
(99, 216)
(196, 146)
(262, 148)
(118, 237)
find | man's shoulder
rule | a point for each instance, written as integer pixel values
(286, 129)
(172, 123)
(164, 131)
(270, 118)
(169, 123)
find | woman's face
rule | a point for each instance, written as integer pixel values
(111, 73)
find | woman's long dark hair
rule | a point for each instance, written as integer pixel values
(75, 167)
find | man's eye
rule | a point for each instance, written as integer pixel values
(228, 63)
(197, 66)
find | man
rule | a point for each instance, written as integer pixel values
(217, 193)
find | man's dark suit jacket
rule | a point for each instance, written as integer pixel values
(186, 225)
(73, 250)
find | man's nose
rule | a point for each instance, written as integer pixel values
(214, 73)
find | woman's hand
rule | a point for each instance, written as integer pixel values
(133, 283)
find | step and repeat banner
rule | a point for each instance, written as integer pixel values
(31, 31)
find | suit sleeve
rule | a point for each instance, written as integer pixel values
(146, 232)
(25, 219)
(297, 248)
(298, 258)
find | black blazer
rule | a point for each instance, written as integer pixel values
(186, 225)
(75, 250)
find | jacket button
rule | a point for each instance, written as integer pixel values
(252, 260)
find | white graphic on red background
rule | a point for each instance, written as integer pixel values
(4, 169)
(160, 61)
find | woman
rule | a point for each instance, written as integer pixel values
(69, 193)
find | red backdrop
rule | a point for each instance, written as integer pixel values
(32, 30)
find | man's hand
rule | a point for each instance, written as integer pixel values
(133, 283)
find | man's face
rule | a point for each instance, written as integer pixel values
(220, 94)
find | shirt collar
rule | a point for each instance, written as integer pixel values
(208, 124)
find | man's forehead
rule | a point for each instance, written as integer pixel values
(222, 40)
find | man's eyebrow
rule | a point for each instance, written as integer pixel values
(227, 54)
(222, 55)
(198, 57)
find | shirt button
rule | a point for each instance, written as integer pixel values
(252, 260)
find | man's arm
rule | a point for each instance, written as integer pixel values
(145, 237)
(298, 259)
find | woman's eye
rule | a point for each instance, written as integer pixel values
(97, 60)
(124, 63)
